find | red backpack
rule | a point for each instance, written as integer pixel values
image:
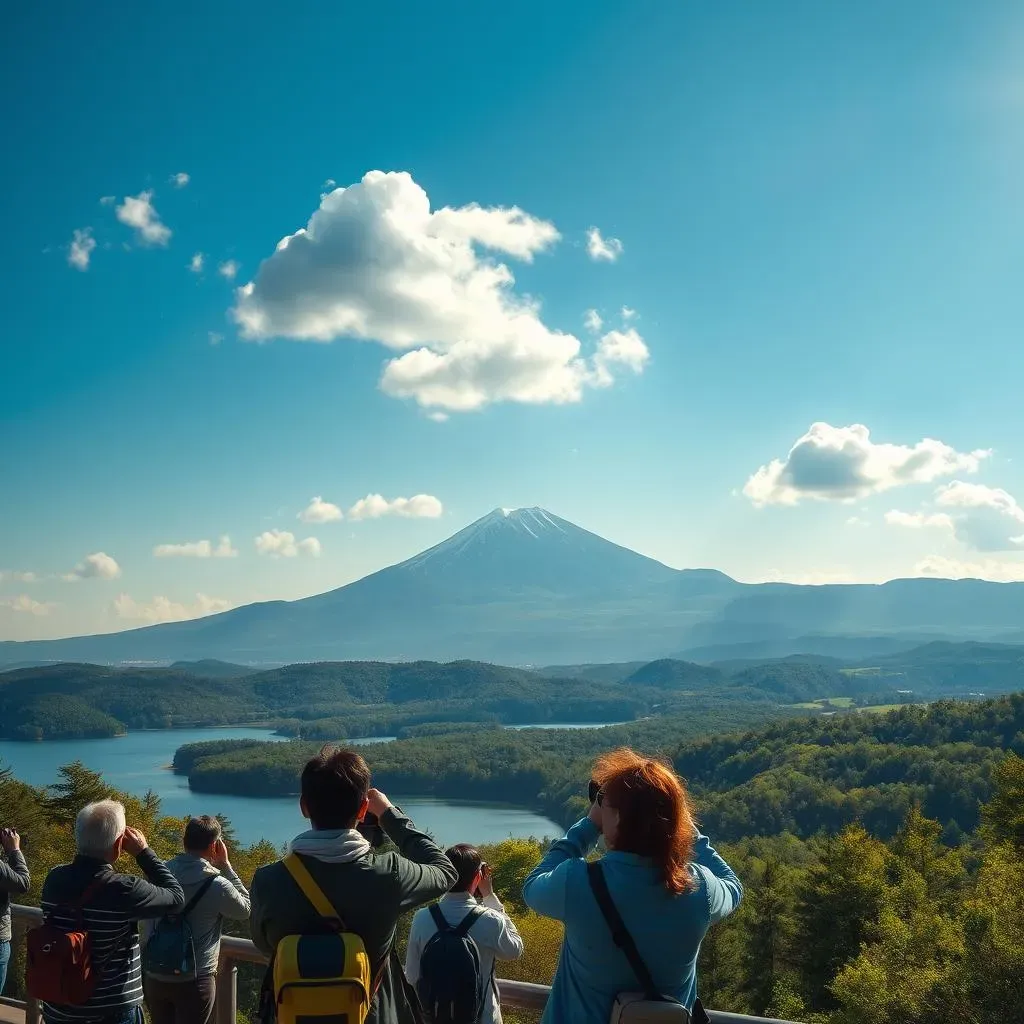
(59, 967)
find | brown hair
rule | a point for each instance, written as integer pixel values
(201, 833)
(466, 860)
(334, 786)
(655, 812)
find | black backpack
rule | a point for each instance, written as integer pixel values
(170, 951)
(451, 988)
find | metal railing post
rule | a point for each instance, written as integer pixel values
(227, 991)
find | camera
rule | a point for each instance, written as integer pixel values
(592, 790)
(369, 828)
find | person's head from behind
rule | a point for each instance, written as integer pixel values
(334, 788)
(201, 835)
(467, 861)
(646, 810)
(99, 830)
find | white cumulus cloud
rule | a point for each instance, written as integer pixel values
(229, 269)
(81, 248)
(282, 544)
(97, 566)
(163, 609)
(592, 321)
(27, 605)
(599, 248)
(18, 576)
(374, 506)
(994, 569)
(180, 180)
(320, 511)
(619, 348)
(375, 263)
(139, 213)
(984, 518)
(196, 263)
(197, 549)
(843, 464)
(918, 520)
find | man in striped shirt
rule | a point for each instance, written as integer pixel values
(112, 914)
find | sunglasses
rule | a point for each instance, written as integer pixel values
(595, 793)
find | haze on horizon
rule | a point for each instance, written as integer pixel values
(293, 297)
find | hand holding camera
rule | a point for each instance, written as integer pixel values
(10, 840)
(486, 886)
(596, 811)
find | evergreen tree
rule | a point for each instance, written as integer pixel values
(766, 962)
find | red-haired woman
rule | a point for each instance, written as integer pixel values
(663, 877)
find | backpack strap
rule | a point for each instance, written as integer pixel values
(312, 891)
(196, 897)
(439, 918)
(620, 933)
(468, 921)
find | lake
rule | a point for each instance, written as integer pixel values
(136, 763)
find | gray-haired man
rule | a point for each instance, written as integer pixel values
(114, 906)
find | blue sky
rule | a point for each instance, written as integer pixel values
(820, 210)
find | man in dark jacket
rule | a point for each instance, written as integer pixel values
(115, 905)
(369, 891)
(14, 881)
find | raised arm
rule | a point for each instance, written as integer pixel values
(508, 943)
(232, 898)
(14, 876)
(545, 888)
(725, 890)
(155, 894)
(424, 872)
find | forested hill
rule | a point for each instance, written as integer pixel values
(802, 776)
(365, 698)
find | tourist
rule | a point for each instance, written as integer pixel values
(213, 893)
(491, 930)
(369, 891)
(14, 881)
(111, 905)
(664, 878)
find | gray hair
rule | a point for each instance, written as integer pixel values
(98, 826)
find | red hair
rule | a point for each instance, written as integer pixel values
(655, 813)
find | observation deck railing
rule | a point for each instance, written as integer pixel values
(519, 995)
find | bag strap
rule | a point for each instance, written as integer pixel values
(468, 921)
(310, 889)
(620, 934)
(439, 919)
(196, 897)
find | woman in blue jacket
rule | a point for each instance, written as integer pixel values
(665, 879)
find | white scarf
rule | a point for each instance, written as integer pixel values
(331, 845)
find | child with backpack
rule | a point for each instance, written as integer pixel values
(182, 949)
(454, 943)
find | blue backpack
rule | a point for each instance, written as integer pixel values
(451, 987)
(171, 951)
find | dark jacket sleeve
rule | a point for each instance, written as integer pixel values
(424, 873)
(14, 876)
(154, 895)
(258, 914)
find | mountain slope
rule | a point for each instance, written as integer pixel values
(526, 587)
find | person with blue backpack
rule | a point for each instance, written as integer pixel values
(183, 948)
(454, 943)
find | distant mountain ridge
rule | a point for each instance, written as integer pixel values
(525, 587)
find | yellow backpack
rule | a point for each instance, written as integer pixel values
(320, 978)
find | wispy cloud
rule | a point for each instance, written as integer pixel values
(139, 213)
(197, 549)
(180, 180)
(320, 511)
(600, 248)
(282, 544)
(81, 248)
(229, 269)
(196, 263)
(27, 605)
(419, 506)
(163, 609)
